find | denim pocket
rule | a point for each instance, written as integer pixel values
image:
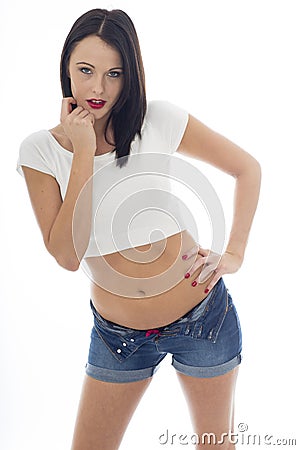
(218, 317)
(209, 324)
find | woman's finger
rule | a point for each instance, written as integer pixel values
(206, 273)
(210, 267)
(83, 113)
(203, 251)
(191, 252)
(213, 282)
(66, 107)
(91, 118)
(198, 263)
(80, 114)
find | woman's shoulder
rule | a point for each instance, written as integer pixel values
(36, 138)
(162, 107)
(36, 152)
(164, 125)
(161, 111)
(46, 139)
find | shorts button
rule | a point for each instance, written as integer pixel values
(124, 344)
(119, 350)
(131, 340)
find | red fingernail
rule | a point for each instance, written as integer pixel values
(206, 291)
(187, 275)
(194, 283)
(184, 257)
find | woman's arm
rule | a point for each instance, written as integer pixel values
(202, 143)
(56, 217)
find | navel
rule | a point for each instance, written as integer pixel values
(141, 293)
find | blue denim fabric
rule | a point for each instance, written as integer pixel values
(205, 342)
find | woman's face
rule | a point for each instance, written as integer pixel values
(96, 74)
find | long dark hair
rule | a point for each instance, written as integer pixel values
(116, 29)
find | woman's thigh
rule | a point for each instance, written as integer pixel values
(104, 412)
(211, 406)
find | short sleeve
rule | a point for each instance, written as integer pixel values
(171, 120)
(34, 153)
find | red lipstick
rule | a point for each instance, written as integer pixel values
(96, 103)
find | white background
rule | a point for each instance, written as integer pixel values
(234, 64)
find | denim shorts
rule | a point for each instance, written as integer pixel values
(205, 342)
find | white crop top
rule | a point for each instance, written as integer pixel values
(132, 205)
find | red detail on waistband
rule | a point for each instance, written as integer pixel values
(149, 332)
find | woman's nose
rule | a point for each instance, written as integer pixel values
(98, 87)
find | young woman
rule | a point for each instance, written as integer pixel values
(147, 295)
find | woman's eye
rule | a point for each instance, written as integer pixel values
(85, 70)
(114, 74)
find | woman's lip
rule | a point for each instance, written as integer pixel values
(92, 103)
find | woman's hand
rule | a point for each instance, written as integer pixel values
(78, 126)
(212, 263)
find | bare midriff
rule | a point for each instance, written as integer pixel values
(145, 287)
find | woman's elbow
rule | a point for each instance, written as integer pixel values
(251, 167)
(67, 262)
(71, 265)
(256, 168)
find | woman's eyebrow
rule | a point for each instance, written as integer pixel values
(91, 65)
(87, 64)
